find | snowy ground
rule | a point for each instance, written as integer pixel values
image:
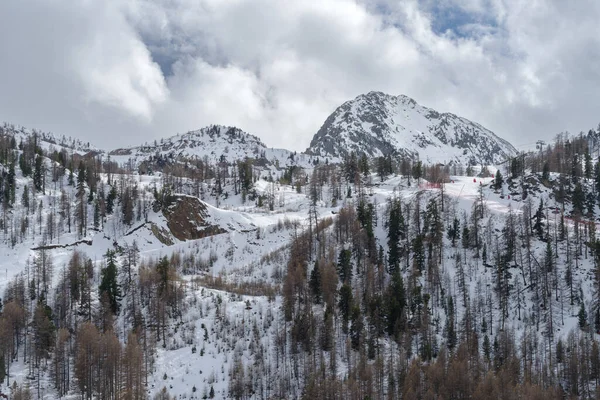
(252, 233)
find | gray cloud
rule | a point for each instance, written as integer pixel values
(125, 72)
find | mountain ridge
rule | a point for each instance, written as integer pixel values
(379, 124)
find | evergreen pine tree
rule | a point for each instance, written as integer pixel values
(582, 316)
(498, 181)
(578, 200)
(109, 284)
(395, 303)
(396, 232)
(356, 327)
(345, 265)
(345, 305)
(315, 284)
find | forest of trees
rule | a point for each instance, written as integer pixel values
(414, 298)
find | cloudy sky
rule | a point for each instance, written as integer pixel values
(123, 72)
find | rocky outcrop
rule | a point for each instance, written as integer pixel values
(187, 218)
(378, 124)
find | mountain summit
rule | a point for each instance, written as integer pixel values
(379, 124)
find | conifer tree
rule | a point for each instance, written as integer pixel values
(578, 200)
(315, 283)
(396, 233)
(345, 305)
(109, 285)
(499, 180)
(395, 303)
(345, 265)
(356, 327)
(582, 316)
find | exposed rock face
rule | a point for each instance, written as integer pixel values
(378, 124)
(187, 219)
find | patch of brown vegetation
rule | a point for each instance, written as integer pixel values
(258, 288)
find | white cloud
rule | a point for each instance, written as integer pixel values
(115, 67)
(278, 69)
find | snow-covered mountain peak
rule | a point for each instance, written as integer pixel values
(213, 141)
(378, 124)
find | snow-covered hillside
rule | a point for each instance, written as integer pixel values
(215, 144)
(49, 140)
(236, 283)
(380, 124)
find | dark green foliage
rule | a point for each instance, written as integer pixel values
(110, 200)
(350, 167)
(163, 273)
(582, 316)
(10, 185)
(25, 197)
(453, 231)
(43, 330)
(484, 254)
(396, 233)
(327, 332)
(487, 348)
(356, 327)
(245, 177)
(81, 178)
(560, 352)
(344, 265)
(417, 170)
(546, 172)
(538, 224)
(315, 284)
(39, 173)
(288, 174)
(587, 169)
(395, 303)
(2, 369)
(366, 214)
(345, 305)
(517, 167)
(466, 237)
(498, 181)
(96, 214)
(451, 336)
(578, 200)
(364, 165)
(418, 253)
(128, 204)
(590, 204)
(384, 167)
(109, 285)
(25, 165)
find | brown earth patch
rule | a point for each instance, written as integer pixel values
(186, 218)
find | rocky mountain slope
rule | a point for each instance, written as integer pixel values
(379, 124)
(215, 144)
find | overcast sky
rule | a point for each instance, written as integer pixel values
(121, 73)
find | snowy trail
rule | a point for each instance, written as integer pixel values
(462, 187)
